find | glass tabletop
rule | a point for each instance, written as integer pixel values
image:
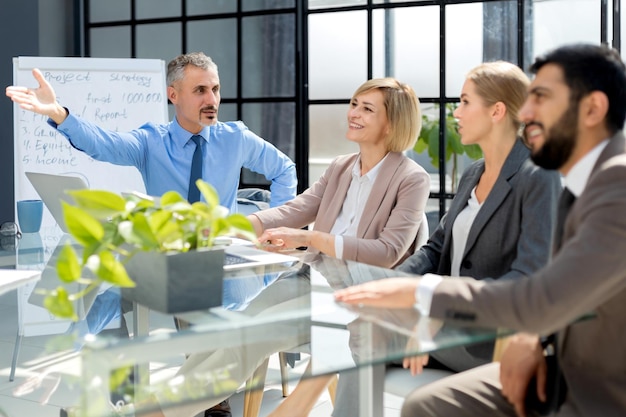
(264, 311)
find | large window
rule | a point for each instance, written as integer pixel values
(430, 45)
(288, 67)
(253, 43)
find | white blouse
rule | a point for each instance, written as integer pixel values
(349, 217)
(460, 231)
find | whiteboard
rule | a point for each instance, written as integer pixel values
(116, 94)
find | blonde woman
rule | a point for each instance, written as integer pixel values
(367, 206)
(499, 223)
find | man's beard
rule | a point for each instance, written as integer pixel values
(559, 141)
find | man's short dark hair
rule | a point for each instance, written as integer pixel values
(587, 68)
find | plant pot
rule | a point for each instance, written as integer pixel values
(176, 282)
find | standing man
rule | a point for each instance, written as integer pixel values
(574, 117)
(173, 156)
(163, 154)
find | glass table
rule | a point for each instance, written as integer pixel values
(266, 311)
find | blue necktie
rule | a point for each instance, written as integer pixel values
(196, 170)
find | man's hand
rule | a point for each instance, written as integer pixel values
(415, 363)
(389, 293)
(521, 361)
(41, 100)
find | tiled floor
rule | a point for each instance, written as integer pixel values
(44, 397)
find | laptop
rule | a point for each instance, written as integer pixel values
(52, 190)
(238, 257)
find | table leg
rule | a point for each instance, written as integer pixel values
(16, 353)
(141, 327)
(371, 387)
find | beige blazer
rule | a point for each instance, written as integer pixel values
(587, 274)
(390, 220)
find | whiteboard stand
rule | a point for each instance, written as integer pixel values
(33, 253)
(116, 94)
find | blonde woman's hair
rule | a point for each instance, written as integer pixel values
(403, 111)
(501, 81)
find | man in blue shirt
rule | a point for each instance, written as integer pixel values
(163, 153)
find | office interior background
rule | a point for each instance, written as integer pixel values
(289, 67)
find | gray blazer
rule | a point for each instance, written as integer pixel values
(587, 274)
(511, 235)
(512, 232)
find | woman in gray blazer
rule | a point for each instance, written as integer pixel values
(500, 222)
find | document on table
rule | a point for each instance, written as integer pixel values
(10, 279)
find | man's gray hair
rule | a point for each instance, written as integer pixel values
(176, 67)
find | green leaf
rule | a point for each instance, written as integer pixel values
(179, 209)
(474, 151)
(202, 210)
(159, 219)
(111, 270)
(220, 227)
(111, 236)
(170, 232)
(58, 303)
(171, 197)
(240, 223)
(68, 267)
(118, 376)
(140, 204)
(209, 193)
(83, 227)
(142, 234)
(449, 151)
(420, 146)
(89, 250)
(433, 147)
(98, 203)
(454, 139)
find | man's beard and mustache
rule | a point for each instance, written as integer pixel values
(559, 141)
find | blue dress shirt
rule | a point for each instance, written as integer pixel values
(163, 155)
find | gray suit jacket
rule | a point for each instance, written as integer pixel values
(587, 274)
(391, 217)
(512, 232)
(511, 235)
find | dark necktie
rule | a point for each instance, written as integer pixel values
(565, 202)
(556, 386)
(196, 170)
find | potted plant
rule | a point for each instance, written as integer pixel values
(429, 140)
(160, 251)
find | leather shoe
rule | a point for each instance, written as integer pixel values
(220, 410)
